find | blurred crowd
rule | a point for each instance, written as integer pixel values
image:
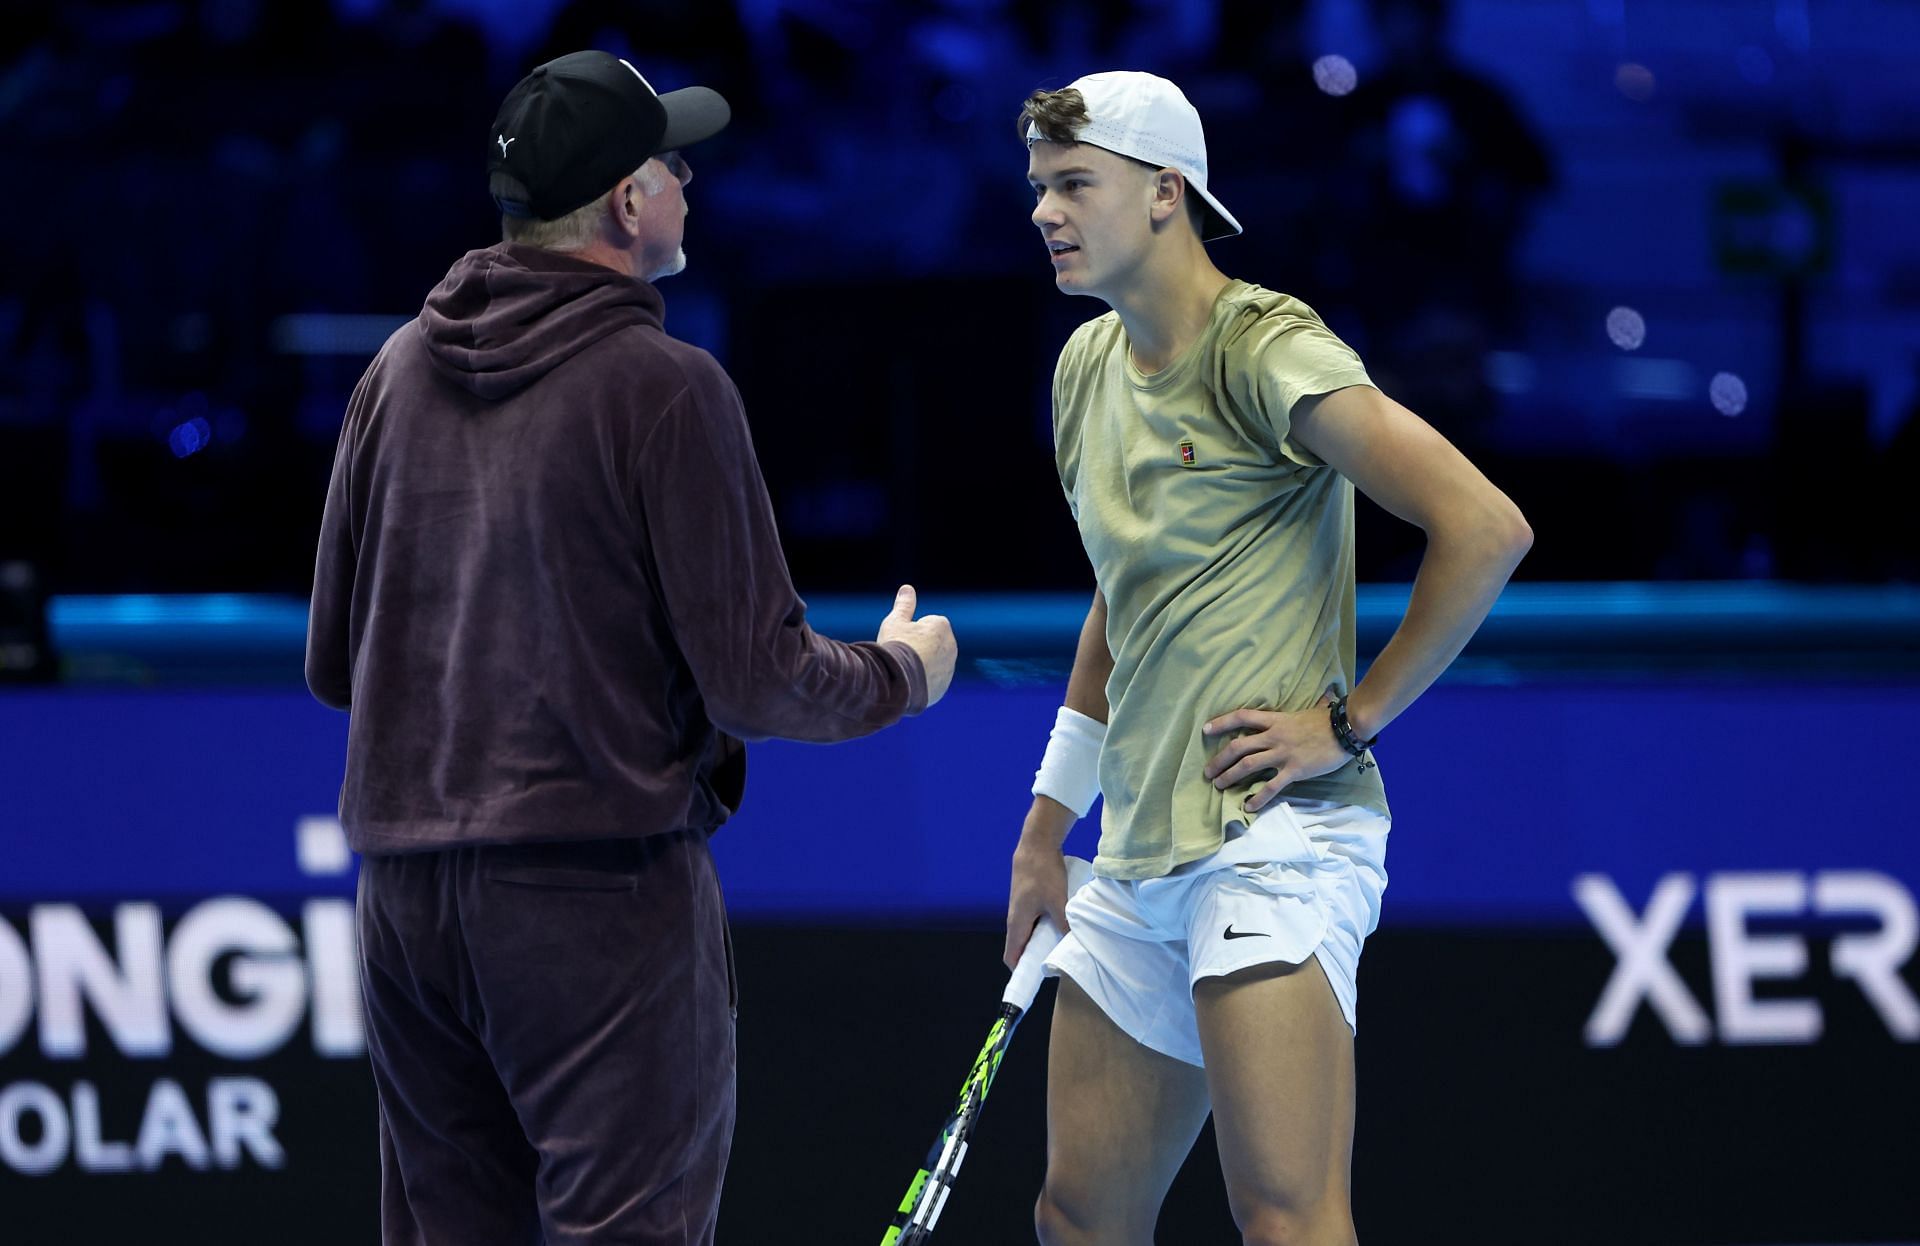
(219, 207)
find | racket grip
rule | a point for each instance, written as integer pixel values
(1027, 975)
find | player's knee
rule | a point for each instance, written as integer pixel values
(1323, 1222)
(1060, 1219)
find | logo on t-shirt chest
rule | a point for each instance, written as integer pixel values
(1187, 457)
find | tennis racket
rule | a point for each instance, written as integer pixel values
(920, 1210)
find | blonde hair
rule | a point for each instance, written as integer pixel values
(575, 230)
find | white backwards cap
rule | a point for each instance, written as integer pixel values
(1146, 117)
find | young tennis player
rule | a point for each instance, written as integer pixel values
(1209, 436)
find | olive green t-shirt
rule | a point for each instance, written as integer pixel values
(1225, 550)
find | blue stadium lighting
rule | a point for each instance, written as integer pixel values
(1335, 75)
(136, 611)
(1755, 65)
(1626, 328)
(1728, 393)
(191, 636)
(1793, 23)
(185, 637)
(1634, 81)
(190, 438)
(1670, 380)
(331, 333)
(1510, 371)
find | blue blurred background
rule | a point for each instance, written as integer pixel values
(1654, 266)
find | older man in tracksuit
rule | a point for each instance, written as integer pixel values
(550, 591)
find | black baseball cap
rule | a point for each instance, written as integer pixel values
(575, 126)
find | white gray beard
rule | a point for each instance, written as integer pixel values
(677, 264)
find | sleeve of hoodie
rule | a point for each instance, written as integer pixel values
(329, 664)
(709, 522)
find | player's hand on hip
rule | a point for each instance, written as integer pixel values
(1294, 746)
(931, 637)
(1039, 889)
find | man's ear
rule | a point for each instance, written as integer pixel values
(1169, 195)
(627, 203)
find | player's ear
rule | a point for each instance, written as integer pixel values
(1169, 195)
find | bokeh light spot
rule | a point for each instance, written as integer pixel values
(1335, 75)
(1634, 81)
(1728, 392)
(190, 437)
(1626, 328)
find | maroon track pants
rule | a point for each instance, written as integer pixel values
(551, 1032)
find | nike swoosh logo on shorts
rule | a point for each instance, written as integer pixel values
(1245, 934)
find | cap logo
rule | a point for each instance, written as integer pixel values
(505, 143)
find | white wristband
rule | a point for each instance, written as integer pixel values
(1070, 769)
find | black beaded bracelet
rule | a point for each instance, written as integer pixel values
(1343, 730)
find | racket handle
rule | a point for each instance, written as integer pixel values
(1027, 975)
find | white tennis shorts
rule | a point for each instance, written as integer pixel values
(1303, 880)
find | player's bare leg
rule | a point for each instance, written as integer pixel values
(1280, 1069)
(1120, 1119)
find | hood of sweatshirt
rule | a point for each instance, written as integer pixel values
(506, 316)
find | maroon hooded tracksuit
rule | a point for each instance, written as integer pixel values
(550, 591)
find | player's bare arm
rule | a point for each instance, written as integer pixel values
(1092, 664)
(1476, 536)
(1039, 870)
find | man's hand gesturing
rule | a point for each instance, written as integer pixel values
(930, 637)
